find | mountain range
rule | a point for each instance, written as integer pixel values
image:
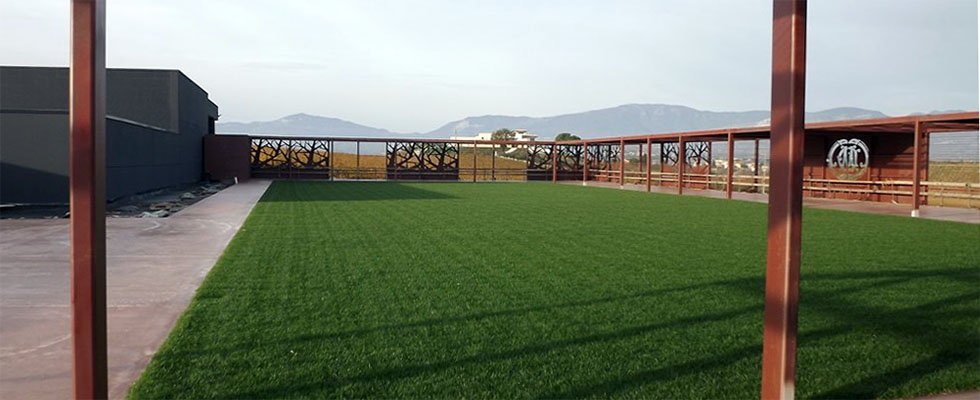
(622, 120)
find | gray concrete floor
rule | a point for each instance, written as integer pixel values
(967, 215)
(153, 268)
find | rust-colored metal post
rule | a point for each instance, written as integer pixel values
(755, 164)
(785, 199)
(622, 163)
(554, 163)
(648, 163)
(731, 165)
(493, 162)
(680, 165)
(87, 199)
(474, 161)
(585, 163)
(916, 166)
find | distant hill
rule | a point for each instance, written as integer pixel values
(304, 125)
(635, 119)
(622, 120)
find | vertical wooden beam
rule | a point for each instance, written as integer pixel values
(357, 162)
(755, 164)
(916, 168)
(554, 163)
(731, 165)
(648, 165)
(87, 116)
(680, 164)
(474, 161)
(622, 163)
(493, 162)
(330, 161)
(585, 163)
(785, 199)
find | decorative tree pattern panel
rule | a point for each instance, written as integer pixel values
(668, 154)
(603, 156)
(539, 157)
(697, 156)
(416, 160)
(284, 157)
(569, 157)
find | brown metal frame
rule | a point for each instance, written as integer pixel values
(785, 199)
(681, 162)
(648, 164)
(622, 163)
(586, 163)
(916, 168)
(87, 118)
(731, 166)
(554, 163)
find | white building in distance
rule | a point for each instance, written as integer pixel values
(520, 135)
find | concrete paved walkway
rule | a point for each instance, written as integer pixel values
(967, 215)
(154, 267)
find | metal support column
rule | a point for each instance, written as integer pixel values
(474, 161)
(622, 163)
(554, 163)
(585, 163)
(680, 164)
(731, 165)
(357, 162)
(755, 164)
(916, 167)
(648, 165)
(87, 116)
(785, 199)
(493, 162)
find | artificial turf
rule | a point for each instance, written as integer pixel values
(504, 290)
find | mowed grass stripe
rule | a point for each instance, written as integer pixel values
(536, 290)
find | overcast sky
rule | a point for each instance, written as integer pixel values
(414, 65)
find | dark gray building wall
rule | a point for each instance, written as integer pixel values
(154, 132)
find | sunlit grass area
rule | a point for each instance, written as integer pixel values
(530, 290)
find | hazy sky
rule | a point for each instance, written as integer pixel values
(414, 65)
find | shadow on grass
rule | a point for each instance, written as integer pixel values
(954, 349)
(312, 191)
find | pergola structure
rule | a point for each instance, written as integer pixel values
(894, 149)
(792, 145)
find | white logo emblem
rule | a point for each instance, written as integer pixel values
(848, 158)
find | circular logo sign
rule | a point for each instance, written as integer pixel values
(848, 158)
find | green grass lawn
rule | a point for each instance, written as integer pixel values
(502, 290)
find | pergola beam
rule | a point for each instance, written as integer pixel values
(622, 163)
(647, 162)
(916, 166)
(680, 164)
(731, 165)
(87, 199)
(585, 163)
(785, 199)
